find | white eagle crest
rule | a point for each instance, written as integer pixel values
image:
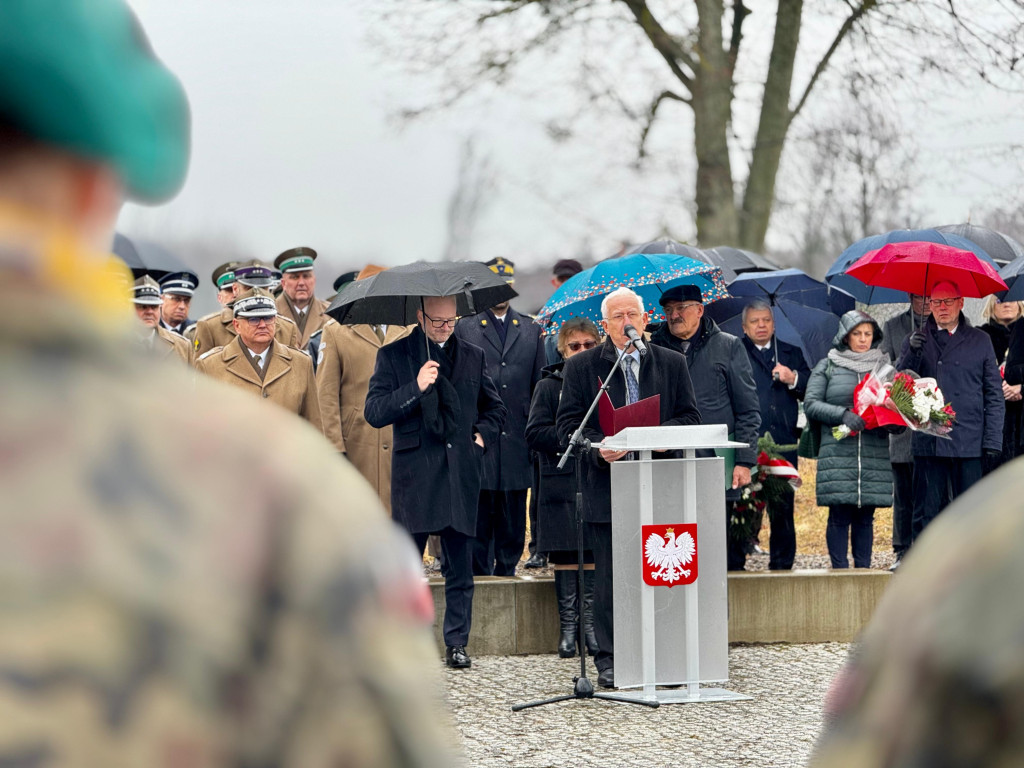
(670, 556)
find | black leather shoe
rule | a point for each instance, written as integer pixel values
(606, 677)
(537, 560)
(455, 656)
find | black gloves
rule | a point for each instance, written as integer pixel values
(917, 340)
(991, 454)
(853, 421)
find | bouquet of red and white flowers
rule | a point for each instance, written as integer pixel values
(884, 397)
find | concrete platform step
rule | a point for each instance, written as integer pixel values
(518, 615)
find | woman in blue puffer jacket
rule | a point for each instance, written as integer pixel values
(854, 473)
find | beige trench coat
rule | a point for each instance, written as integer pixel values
(348, 354)
(289, 380)
(317, 316)
(217, 330)
(170, 344)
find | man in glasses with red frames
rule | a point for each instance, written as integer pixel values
(255, 362)
(434, 389)
(514, 356)
(961, 359)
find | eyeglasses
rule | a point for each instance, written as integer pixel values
(945, 302)
(255, 321)
(618, 317)
(576, 346)
(672, 309)
(449, 321)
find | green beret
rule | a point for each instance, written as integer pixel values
(80, 75)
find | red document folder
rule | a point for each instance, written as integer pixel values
(643, 413)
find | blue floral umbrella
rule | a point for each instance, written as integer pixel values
(649, 274)
(836, 276)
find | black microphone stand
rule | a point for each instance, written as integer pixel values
(578, 444)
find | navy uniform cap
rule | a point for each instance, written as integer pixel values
(681, 293)
(180, 283)
(258, 304)
(256, 275)
(296, 260)
(503, 268)
(146, 291)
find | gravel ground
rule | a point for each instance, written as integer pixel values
(777, 729)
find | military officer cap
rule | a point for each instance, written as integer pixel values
(503, 268)
(224, 275)
(180, 283)
(345, 279)
(256, 275)
(258, 304)
(296, 260)
(681, 293)
(80, 75)
(146, 290)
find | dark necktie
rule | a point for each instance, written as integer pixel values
(380, 333)
(499, 326)
(632, 387)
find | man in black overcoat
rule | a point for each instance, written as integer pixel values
(446, 414)
(780, 376)
(660, 371)
(514, 356)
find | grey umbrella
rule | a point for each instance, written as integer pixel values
(145, 257)
(1002, 248)
(392, 297)
(739, 260)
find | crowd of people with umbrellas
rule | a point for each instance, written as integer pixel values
(779, 357)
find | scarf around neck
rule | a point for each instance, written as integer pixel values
(858, 362)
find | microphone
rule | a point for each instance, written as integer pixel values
(636, 339)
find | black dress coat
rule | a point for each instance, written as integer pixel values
(434, 484)
(556, 490)
(779, 404)
(515, 368)
(662, 371)
(968, 376)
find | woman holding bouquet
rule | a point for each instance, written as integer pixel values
(1000, 319)
(854, 473)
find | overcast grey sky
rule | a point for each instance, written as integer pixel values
(294, 144)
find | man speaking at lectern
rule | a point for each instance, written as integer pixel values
(657, 371)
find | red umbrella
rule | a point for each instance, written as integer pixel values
(917, 267)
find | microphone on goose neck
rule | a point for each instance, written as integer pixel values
(636, 340)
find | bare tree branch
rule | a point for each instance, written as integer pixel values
(652, 113)
(739, 13)
(858, 13)
(666, 45)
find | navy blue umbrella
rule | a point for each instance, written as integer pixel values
(144, 257)
(836, 276)
(806, 313)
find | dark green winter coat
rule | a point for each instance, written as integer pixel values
(855, 470)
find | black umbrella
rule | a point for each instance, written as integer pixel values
(392, 297)
(739, 260)
(675, 248)
(1002, 248)
(145, 257)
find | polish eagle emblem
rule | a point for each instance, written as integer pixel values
(667, 555)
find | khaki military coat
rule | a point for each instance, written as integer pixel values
(217, 330)
(347, 357)
(169, 344)
(289, 379)
(316, 317)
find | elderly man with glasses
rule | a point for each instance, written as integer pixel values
(254, 361)
(434, 389)
(961, 359)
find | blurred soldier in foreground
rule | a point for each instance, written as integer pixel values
(218, 329)
(152, 336)
(297, 301)
(254, 362)
(177, 290)
(937, 680)
(178, 588)
(347, 356)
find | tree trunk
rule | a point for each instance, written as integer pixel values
(772, 128)
(717, 217)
